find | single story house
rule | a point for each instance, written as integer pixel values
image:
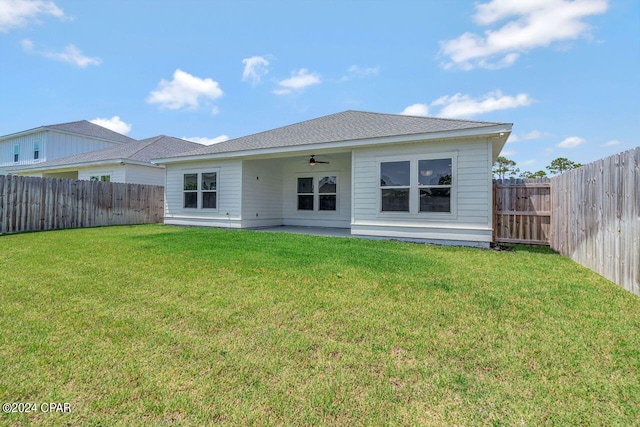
(384, 175)
(130, 162)
(51, 142)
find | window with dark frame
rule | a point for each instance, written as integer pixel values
(434, 184)
(190, 189)
(209, 190)
(327, 193)
(305, 194)
(395, 183)
(16, 153)
(36, 151)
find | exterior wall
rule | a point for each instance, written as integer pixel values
(229, 188)
(471, 201)
(63, 145)
(148, 175)
(64, 175)
(262, 193)
(339, 165)
(26, 144)
(52, 145)
(116, 172)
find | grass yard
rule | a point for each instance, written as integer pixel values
(153, 325)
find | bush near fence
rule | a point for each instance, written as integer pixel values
(31, 204)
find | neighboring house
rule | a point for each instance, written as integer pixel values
(46, 143)
(130, 163)
(376, 174)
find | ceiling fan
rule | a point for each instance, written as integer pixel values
(313, 161)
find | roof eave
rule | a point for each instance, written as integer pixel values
(84, 165)
(498, 129)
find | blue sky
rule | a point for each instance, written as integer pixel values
(566, 73)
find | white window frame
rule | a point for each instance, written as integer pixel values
(311, 193)
(100, 177)
(317, 176)
(199, 190)
(436, 186)
(414, 187)
(393, 187)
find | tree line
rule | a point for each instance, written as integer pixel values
(504, 168)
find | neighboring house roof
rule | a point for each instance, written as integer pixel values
(82, 127)
(345, 126)
(136, 152)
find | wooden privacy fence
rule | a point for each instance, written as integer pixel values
(30, 204)
(596, 217)
(522, 211)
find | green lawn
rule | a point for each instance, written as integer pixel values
(165, 325)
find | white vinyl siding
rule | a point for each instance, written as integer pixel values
(339, 166)
(471, 195)
(262, 193)
(26, 145)
(63, 145)
(144, 175)
(51, 145)
(229, 189)
(116, 173)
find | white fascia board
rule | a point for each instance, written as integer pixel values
(461, 133)
(87, 164)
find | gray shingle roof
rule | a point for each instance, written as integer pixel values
(84, 127)
(344, 126)
(136, 151)
(81, 127)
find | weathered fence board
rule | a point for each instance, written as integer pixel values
(522, 211)
(30, 204)
(596, 217)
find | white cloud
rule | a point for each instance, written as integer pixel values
(416, 110)
(571, 142)
(207, 141)
(531, 24)
(611, 143)
(363, 72)
(27, 45)
(71, 54)
(534, 134)
(299, 80)
(254, 68)
(18, 13)
(513, 138)
(114, 123)
(184, 90)
(460, 105)
(356, 71)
